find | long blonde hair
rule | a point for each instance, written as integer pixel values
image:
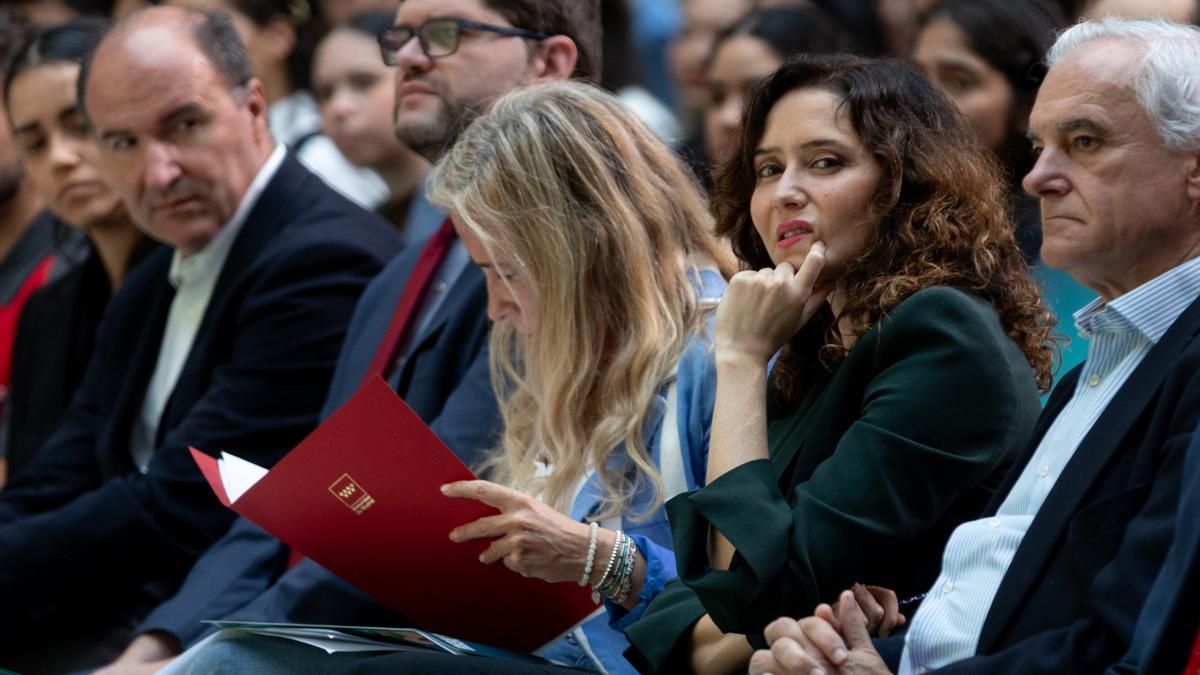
(608, 225)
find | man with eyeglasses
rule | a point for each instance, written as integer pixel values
(452, 58)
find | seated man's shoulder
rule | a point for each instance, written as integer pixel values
(320, 216)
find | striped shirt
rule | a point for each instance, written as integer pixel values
(1120, 333)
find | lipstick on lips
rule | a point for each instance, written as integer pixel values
(792, 232)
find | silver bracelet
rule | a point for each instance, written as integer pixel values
(611, 586)
(625, 588)
(591, 556)
(612, 559)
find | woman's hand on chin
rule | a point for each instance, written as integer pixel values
(531, 538)
(761, 310)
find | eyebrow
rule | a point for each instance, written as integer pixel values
(808, 145)
(1078, 124)
(953, 62)
(64, 114)
(180, 111)
(1072, 125)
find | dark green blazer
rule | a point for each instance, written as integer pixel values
(866, 478)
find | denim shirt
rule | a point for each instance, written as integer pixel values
(599, 642)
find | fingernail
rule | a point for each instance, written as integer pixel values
(453, 537)
(818, 671)
(839, 655)
(445, 488)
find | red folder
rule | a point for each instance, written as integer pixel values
(361, 497)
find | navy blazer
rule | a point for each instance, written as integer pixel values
(1167, 628)
(81, 517)
(445, 380)
(1074, 589)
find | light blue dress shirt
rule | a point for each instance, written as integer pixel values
(948, 624)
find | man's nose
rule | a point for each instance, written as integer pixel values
(411, 56)
(161, 169)
(1046, 177)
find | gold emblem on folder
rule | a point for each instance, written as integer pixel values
(351, 494)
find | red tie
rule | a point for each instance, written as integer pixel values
(418, 282)
(1193, 666)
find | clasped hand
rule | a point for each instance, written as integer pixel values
(761, 310)
(531, 538)
(833, 640)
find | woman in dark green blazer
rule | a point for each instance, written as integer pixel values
(909, 346)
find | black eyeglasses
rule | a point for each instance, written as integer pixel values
(440, 37)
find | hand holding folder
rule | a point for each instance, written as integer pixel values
(361, 496)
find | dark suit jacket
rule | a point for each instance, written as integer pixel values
(52, 349)
(860, 484)
(1077, 583)
(1166, 629)
(82, 518)
(445, 380)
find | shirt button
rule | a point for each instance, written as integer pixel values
(994, 522)
(1093, 380)
(439, 287)
(948, 586)
(921, 670)
(1045, 471)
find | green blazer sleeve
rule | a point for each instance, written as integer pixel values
(865, 483)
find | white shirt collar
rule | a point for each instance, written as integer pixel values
(208, 261)
(1150, 309)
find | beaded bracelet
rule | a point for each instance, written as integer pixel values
(591, 555)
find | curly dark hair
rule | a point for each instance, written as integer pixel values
(940, 211)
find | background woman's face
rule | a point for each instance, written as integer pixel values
(703, 20)
(257, 48)
(978, 89)
(62, 160)
(738, 64)
(356, 95)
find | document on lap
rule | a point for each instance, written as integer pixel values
(361, 496)
(335, 639)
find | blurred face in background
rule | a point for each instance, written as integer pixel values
(978, 89)
(1179, 11)
(340, 11)
(703, 20)
(44, 12)
(11, 169)
(60, 157)
(739, 63)
(356, 94)
(267, 46)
